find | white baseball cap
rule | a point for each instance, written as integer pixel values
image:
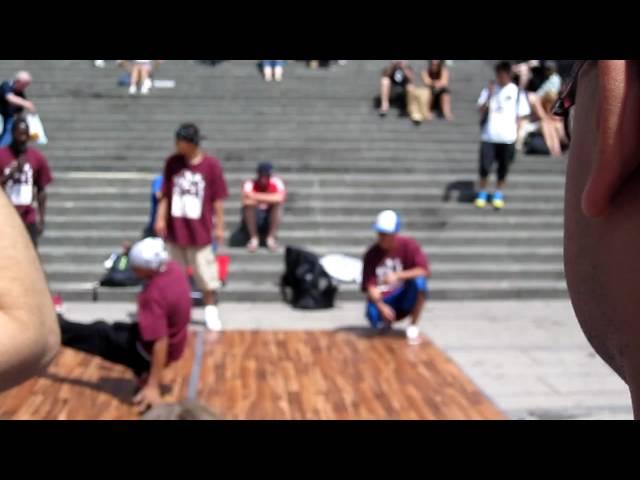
(149, 253)
(387, 221)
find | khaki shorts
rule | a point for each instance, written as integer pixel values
(203, 262)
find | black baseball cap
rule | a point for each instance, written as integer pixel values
(265, 168)
(20, 123)
(189, 132)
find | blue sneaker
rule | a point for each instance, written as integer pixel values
(497, 200)
(481, 199)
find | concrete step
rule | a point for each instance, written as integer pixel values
(232, 208)
(454, 172)
(398, 180)
(440, 290)
(103, 239)
(309, 161)
(338, 223)
(294, 194)
(250, 271)
(86, 254)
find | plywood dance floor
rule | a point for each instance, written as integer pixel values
(345, 374)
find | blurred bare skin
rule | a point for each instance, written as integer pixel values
(602, 215)
(29, 332)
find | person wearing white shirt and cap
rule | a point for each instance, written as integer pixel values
(159, 335)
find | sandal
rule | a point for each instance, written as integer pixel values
(253, 245)
(272, 244)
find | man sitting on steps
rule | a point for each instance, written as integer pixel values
(262, 203)
(395, 277)
(159, 336)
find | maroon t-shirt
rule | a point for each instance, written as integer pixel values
(23, 190)
(164, 310)
(405, 255)
(191, 191)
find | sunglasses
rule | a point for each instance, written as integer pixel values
(567, 99)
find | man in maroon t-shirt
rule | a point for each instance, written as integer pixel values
(193, 192)
(24, 175)
(394, 277)
(159, 336)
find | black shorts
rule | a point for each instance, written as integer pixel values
(262, 219)
(436, 92)
(502, 153)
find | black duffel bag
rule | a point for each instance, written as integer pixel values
(305, 284)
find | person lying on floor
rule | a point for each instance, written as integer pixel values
(394, 277)
(158, 337)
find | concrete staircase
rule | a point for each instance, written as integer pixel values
(342, 164)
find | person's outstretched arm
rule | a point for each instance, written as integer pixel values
(29, 332)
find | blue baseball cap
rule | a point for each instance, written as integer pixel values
(387, 221)
(265, 168)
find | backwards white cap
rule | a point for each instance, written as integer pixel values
(387, 221)
(149, 253)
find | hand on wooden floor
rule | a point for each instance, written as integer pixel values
(147, 398)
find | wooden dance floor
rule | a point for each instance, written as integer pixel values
(344, 374)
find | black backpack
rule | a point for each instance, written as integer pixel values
(305, 284)
(535, 144)
(120, 274)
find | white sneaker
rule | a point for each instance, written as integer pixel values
(413, 334)
(277, 74)
(212, 318)
(146, 86)
(133, 90)
(268, 74)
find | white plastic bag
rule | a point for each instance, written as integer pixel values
(36, 129)
(343, 268)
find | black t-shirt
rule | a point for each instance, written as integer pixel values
(7, 109)
(398, 76)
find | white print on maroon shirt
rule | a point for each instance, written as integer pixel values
(20, 187)
(188, 195)
(389, 265)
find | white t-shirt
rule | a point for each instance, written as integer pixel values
(552, 84)
(502, 125)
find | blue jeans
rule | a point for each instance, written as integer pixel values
(272, 63)
(6, 137)
(402, 301)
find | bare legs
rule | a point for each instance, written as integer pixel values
(385, 93)
(250, 217)
(445, 104)
(140, 76)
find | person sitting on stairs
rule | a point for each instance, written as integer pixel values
(435, 91)
(262, 204)
(395, 79)
(140, 74)
(272, 70)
